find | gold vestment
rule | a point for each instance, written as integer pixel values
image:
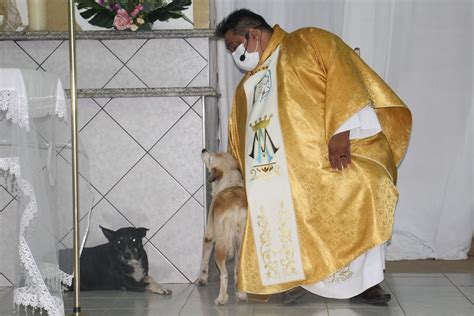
(340, 215)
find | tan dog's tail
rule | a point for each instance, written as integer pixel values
(228, 231)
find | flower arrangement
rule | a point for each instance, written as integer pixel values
(131, 15)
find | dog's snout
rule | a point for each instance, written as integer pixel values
(127, 256)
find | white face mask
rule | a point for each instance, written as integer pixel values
(251, 59)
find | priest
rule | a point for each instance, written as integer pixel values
(318, 136)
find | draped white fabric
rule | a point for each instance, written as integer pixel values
(424, 50)
(35, 167)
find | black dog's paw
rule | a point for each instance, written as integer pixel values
(162, 291)
(156, 288)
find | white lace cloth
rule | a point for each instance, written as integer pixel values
(21, 104)
(13, 97)
(24, 95)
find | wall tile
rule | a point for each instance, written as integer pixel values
(111, 151)
(12, 56)
(95, 64)
(146, 119)
(166, 63)
(184, 232)
(124, 49)
(147, 195)
(39, 50)
(180, 151)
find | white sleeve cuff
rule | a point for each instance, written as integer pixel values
(352, 123)
(368, 118)
(362, 124)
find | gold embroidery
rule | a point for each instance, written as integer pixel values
(265, 171)
(341, 275)
(287, 252)
(265, 248)
(261, 123)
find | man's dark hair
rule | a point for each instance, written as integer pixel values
(240, 21)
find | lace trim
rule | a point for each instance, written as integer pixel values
(16, 107)
(35, 293)
(24, 296)
(44, 106)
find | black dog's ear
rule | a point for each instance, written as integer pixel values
(109, 234)
(142, 231)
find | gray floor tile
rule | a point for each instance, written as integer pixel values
(414, 275)
(386, 311)
(461, 278)
(437, 311)
(413, 294)
(430, 296)
(468, 291)
(289, 311)
(196, 307)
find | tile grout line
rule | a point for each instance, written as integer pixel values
(104, 196)
(3, 209)
(395, 297)
(24, 51)
(187, 300)
(147, 152)
(124, 63)
(47, 57)
(196, 75)
(197, 51)
(7, 279)
(169, 218)
(169, 262)
(458, 289)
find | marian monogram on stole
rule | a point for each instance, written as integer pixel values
(263, 147)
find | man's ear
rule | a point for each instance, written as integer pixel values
(142, 231)
(253, 33)
(109, 234)
(216, 174)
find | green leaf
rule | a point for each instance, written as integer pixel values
(103, 19)
(171, 10)
(81, 4)
(88, 13)
(101, 16)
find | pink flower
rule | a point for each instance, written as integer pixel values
(137, 10)
(122, 20)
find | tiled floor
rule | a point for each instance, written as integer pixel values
(444, 294)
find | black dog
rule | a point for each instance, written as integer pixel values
(120, 264)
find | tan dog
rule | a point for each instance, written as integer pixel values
(226, 219)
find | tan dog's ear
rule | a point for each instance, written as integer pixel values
(216, 174)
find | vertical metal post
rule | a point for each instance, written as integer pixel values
(75, 162)
(204, 144)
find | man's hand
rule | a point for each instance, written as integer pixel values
(340, 151)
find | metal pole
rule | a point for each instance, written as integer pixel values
(204, 145)
(75, 163)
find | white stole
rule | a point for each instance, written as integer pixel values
(267, 182)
